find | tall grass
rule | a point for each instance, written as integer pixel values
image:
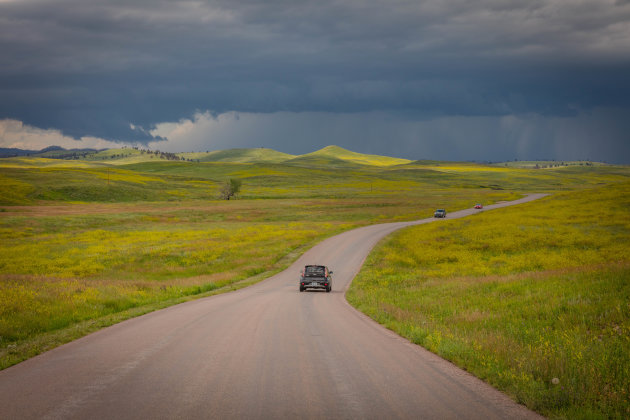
(64, 265)
(56, 272)
(32, 181)
(534, 299)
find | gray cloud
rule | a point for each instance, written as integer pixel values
(98, 67)
(594, 135)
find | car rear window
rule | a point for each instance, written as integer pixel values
(314, 270)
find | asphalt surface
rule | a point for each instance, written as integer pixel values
(266, 351)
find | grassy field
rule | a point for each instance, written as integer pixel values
(534, 299)
(86, 243)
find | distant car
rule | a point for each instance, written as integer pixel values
(316, 277)
(441, 213)
(478, 206)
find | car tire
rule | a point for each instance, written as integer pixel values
(301, 289)
(328, 289)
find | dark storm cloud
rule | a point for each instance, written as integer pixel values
(101, 68)
(599, 135)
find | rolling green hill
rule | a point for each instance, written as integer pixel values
(330, 155)
(118, 156)
(127, 175)
(334, 154)
(258, 155)
(61, 153)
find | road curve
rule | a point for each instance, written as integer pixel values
(266, 351)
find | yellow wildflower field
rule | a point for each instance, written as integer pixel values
(534, 299)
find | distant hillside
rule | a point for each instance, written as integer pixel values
(126, 156)
(11, 152)
(121, 156)
(543, 164)
(260, 155)
(55, 152)
(328, 156)
(335, 155)
(53, 149)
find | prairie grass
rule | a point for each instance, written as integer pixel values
(36, 180)
(84, 244)
(59, 270)
(519, 297)
(69, 265)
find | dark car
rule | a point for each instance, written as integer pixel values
(441, 213)
(316, 277)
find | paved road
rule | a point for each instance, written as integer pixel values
(267, 351)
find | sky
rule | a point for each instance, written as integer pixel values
(484, 80)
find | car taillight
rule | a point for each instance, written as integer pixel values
(325, 284)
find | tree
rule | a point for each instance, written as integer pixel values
(230, 188)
